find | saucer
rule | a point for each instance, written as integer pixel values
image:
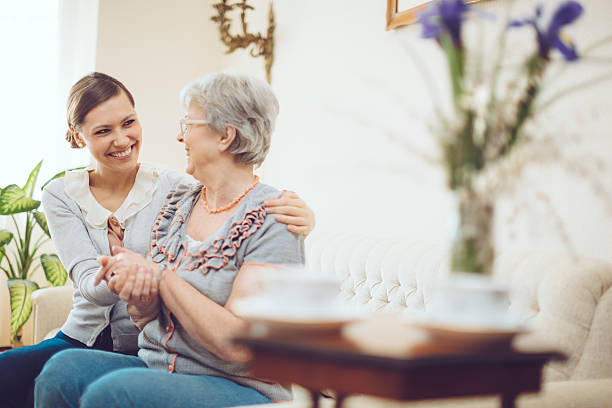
(474, 336)
(275, 317)
(469, 334)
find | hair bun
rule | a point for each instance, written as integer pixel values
(71, 138)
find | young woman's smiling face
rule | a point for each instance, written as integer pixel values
(113, 134)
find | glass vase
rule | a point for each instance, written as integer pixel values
(473, 248)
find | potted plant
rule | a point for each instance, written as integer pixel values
(19, 251)
(491, 103)
(489, 114)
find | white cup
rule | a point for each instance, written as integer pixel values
(471, 301)
(303, 289)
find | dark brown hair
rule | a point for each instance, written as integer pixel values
(87, 93)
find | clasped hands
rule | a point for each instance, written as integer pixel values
(132, 277)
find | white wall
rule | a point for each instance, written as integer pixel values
(350, 112)
(354, 108)
(155, 47)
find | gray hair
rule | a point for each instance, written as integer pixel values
(245, 102)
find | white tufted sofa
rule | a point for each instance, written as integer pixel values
(568, 300)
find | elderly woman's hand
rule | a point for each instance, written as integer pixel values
(136, 284)
(133, 278)
(111, 265)
(290, 209)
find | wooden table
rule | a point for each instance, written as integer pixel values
(431, 371)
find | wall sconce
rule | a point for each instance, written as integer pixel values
(260, 46)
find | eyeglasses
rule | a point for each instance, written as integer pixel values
(184, 123)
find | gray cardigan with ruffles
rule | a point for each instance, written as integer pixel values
(250, 235)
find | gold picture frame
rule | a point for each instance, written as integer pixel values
(397, 18)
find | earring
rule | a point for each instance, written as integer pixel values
(75, 135)
(79, 141)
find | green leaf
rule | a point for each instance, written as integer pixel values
(54, 270)
(20, 291)
(41, 220)
(60, 175)
(15, 200)
(5, 237)
(29, 187)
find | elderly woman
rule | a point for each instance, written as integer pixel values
(205, 241)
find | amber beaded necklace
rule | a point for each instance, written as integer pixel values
(230, 205)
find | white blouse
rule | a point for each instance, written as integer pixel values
(76, 186)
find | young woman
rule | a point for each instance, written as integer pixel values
(90, 211)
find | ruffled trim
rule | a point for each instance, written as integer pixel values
(76, 186)
(166, 234)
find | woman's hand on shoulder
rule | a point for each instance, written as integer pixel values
(290, 209)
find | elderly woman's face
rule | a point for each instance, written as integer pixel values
(201, 143)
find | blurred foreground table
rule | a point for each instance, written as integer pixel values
(429, 371)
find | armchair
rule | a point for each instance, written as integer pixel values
(50, 309)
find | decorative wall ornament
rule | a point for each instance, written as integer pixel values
(259, 45)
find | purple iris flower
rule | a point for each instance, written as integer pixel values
(444, 16)
(552, 37)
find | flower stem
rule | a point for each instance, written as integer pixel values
(535, 70)
(455, 58)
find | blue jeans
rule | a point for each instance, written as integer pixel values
(19, 367)
(90, 378)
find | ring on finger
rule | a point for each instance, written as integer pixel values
(145, 299)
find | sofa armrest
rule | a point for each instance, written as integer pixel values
(592, 393)
(50, 309)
